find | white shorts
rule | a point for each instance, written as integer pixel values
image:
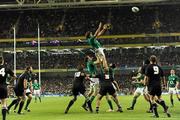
(28, 90)
(100, 52)
(173, 90)
(37, 92)
(94, 81)
(140, 90)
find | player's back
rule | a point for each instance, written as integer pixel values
(4, 71)
(154, 72)
(22, 77)
(79, 78)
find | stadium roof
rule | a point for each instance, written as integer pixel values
(83, 3)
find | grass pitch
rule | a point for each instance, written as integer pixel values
(52, 108)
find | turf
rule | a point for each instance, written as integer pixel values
(52, 108)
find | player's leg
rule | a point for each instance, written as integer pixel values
(163, 104)
(21, 104)
(99, 97)
(35, 96)
(14, 102)
(115, 97)
(39, 95)
(177, 94)
(154, 105)
(29, 95)
(4, 108)
(70, 104)
(16, 106)
(147, 98)
(136, 95)
(171, 99)
(95, 92)
(109, 103)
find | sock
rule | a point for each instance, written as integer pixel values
(172, 102)
(16, 105)
(4, 113)
(84, 104)
(20, 106)
(12, 103)
(69, 105)
(89, 105)
(133, 103)
(40, 99)
(92, 98)
(154, 107)
(150, 105)
(97, 109)
(27, 104)
(110, 104)
(162, 103)
(35, 98)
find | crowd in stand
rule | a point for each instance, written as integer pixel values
(75, 22)
(122, 57)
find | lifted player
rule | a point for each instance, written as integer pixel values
(94, 43)
(79, 87)
(4, 71)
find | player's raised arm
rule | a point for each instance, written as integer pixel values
(99, 29)
(102, 31)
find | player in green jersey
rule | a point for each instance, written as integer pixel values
(139, 83)
(95, 44)
(37, 90)
(172, 85)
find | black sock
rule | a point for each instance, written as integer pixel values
(172, 102)
(162, 103)
(16, 105)
(89, 105)
(4, 113)
(12, 103)
(85, 102)
(35, 99)
(40, 99)
(110, 104)
(69, 105)
(92, 98)
(150, 105)
(27, 104)
(20, 106)
(97, 109)
(133, 103)
(154, 107)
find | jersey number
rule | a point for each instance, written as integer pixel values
(2, 72)
(156, 70)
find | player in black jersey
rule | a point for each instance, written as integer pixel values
(154, 75)
(20, 88)
(79, 87)
(3, 86)
(106, 87)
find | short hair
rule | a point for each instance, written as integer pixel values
(80, 67)
(112, 65)
(1, 59)
(87, 34)
(153, 58)
(28, 68)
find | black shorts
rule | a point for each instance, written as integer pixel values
(155, 90)
(27, 94)
(107, 88)
(78, 89)
(3, 91)
(19, 92)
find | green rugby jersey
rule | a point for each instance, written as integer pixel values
(91, 68)
(36, 86)
(172, 80)
(94, 42)
(141, 77)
